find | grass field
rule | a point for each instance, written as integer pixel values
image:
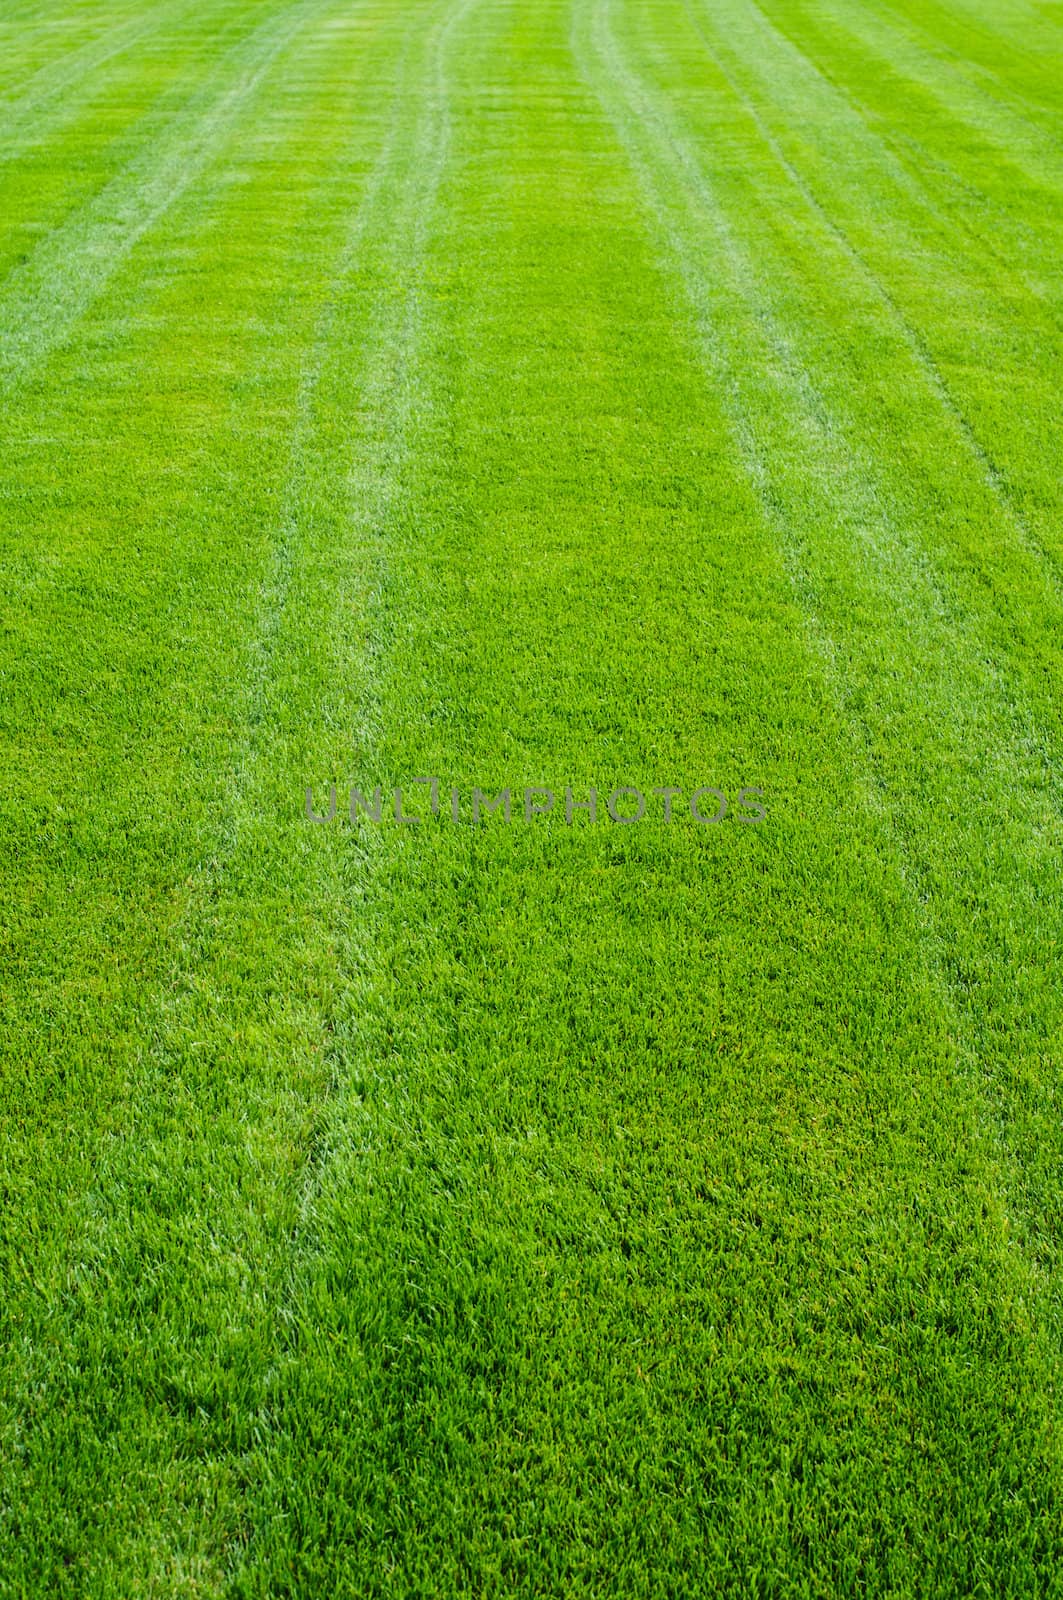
(531, 394)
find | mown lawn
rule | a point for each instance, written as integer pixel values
(531, 394)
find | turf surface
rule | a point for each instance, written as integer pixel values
(594, 394)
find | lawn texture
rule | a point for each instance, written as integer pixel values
(605, 393)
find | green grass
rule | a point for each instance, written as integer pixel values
(595, 393)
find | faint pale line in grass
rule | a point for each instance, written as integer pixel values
(991, 474)
(912, 178)
(894, 556)
(635, 119)
(42, 301)
(55, 80)
(997, 123)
